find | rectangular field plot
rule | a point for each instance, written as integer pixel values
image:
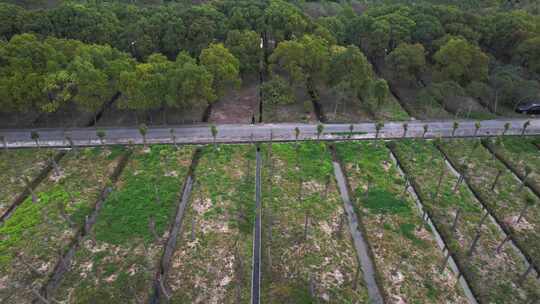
(308, 255)
(15, 166)
(117, 262)
(495, 276)
(507, 199)
(212, 262)
(38, 232)
(520, 153)
(406, 254)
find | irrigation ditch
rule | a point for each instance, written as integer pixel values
(520, 176)
(256, 266)
(159, 287)
(451, 258)
(507, 233)
(361, 244)
(463, 277)
(64, 262)
(31, 186)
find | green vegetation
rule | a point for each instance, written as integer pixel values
(489, 271)
(15, 167)
(214, 255)
(521, 153)
(406, 254)
(490, 54)
(506, 198)
(37, 233)
(116, 263)
(305, 232)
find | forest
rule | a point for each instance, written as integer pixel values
(178, 55)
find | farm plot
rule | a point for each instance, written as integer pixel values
(40, 229)
(495, 276)
(510, 201)
(15, 167)
(308, 254)
(405, 250)
(212, 262)
(521, 154)
(116, 263)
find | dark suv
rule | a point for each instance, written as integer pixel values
(529, 107)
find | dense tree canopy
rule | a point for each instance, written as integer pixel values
(79, 53)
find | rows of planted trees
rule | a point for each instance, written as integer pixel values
(439, 60)
(308, 252)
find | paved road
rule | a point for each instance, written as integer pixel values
(194, 134)
(256, 275)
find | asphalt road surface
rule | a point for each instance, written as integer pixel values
(237, 133)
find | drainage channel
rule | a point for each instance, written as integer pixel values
(360, 242)
(160, 291)
(64, 262)
(440, 241)
(33, 185)
(501, 227)
(517, 175)
(256, 269)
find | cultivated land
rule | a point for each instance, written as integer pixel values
(117, 261)
(15, 167)
(406, 254)
(213, 258)
(506, 200)
(34, 237)
(307, 249)
(308, 253)
(493, 275)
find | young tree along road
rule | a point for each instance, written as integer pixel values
(236, 133)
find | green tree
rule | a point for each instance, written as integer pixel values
(350, 71)
(460, 61)
(246, 47)
(380, 91)
(284, 20)
(528, 53)
(188, 84)
(305, 60)
(222, 65)
(407, 61)
(277, 91)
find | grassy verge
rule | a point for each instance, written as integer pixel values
(212, 263)
(16, 165)
(405, 250)
(493, 275)
(32, 239)
(117, 261)
(507, 199)
(305, 263)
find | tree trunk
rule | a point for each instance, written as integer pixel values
(456, 219)
(445, 261)
(478, 234)
(458, 183)
(306, 225)
(496, 180)
(356, 276)
(522, 278)
(152, 228)
(439, 183)
(522, 213)
(499, 248)
(193, 229)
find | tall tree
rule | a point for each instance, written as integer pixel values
(222, 65)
